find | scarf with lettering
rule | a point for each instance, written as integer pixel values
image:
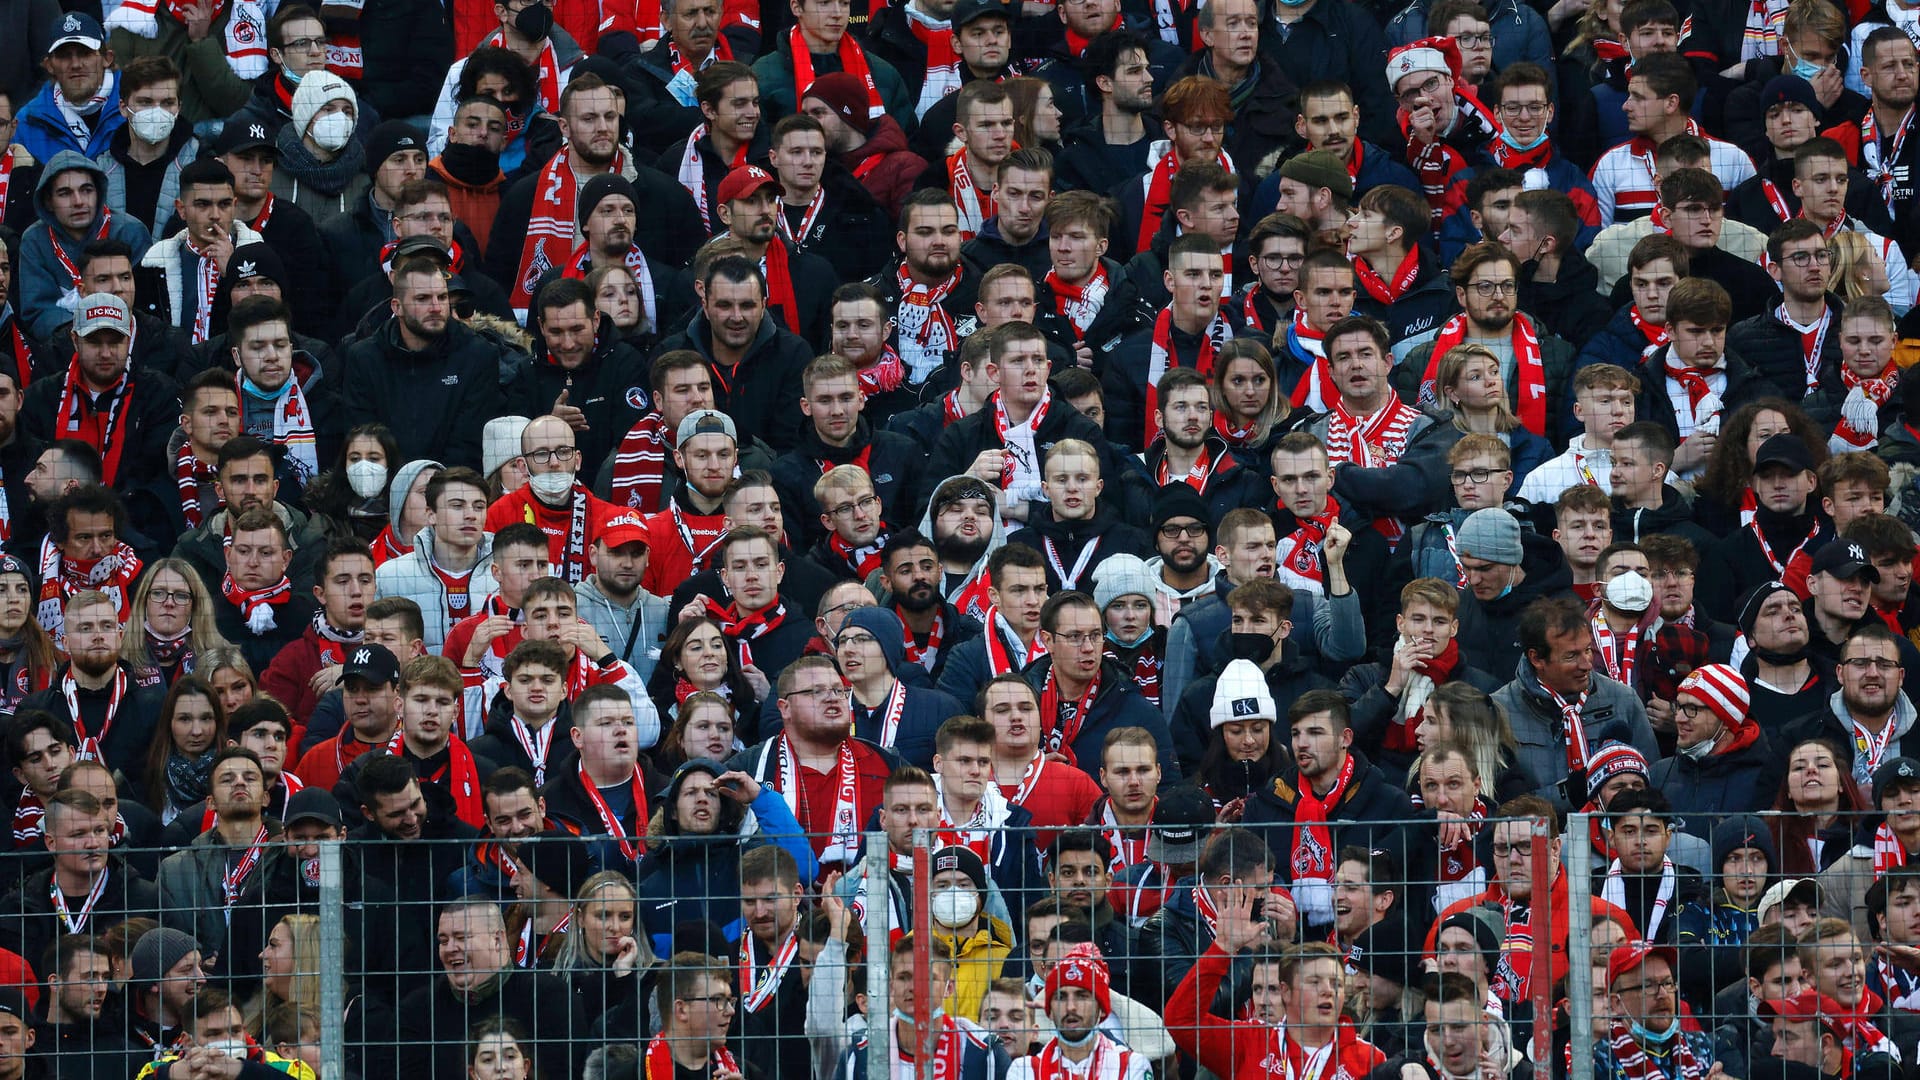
(292, 424)
(1382, 290)
(79, 417)
(1372, 440)
(974, 201)
(943, 61)
(1162, 356)
(1297, 563)
(1158, 188)
(1079, 304)
(550, 228)
(1065, 719)
(692, 172)
(61, 577)
(639, 464)
(245, 33)
(853, 61)
(1881, 165)
(929, 315)
(1531, 373)
(1313, 851)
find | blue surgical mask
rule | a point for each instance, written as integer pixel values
(1641, 1033)
(1507, 137)
(292, 79)
(1806, 69)
(1135, 643)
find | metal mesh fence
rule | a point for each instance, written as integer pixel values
(1460, 946)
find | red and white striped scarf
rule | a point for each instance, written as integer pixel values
(1633, 1063)
(1079, 304)
(1162, 356)
(943, 61)
(974, 201)
(245, 32)
(189, 472)
(1370, 441)
(640, 463)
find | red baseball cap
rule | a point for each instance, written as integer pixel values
(744, 181)
(627, 528)
(1630, 956)
(1807, 1005)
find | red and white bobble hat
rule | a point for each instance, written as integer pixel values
(1722, 689)
(1429, 54)
(1082, 966)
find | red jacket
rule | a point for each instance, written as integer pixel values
(1247, 1049)
(885, 166)
(290, 675)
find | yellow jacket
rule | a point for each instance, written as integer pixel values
(977, 960)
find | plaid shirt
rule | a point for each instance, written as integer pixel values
(1677, 650)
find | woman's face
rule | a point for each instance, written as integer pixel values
(366, 448)
(167, 611)
(1246, 740)
(619, 299)
(1478, 387)
(276, 962)
(1766, 424)
(1246, 388)
(607, 919)
(1437, 728)
(16, 603)
(234, 687)
(703, 658)
(1046, 116)
(1813, 777)
(709, 733)
(498, 1057)
(194, 726)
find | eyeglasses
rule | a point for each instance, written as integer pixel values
(1174, 532)
(1477, 476)
(305, 44)
(1696, 209)
(1804, 259)
(559, 453)
(822, 694)
(1281, 261)
(1488, 289)
(838, 608)
(1527, 108)
(856, 637)
(1668, 575)
(1473, 41)
(170, 596)
(1433, 85)
(1864, 664)
(1078, 637)
(1689, 711)
(723, 1002)
(1657, 986)
(865, 504)
(1216, 128)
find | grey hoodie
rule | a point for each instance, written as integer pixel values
(399, 487)
(995, 542)
(48, 292)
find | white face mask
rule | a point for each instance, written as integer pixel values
(954, 907)
(367, 478)
(233, 1048)
(551, 485)
(1629, 592)
(331, 131)
(152, 125)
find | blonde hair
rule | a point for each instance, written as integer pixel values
(841, 478)
(304, 983)
(572, 953)
(1455, 361)
(203, 637)
(1850, 252)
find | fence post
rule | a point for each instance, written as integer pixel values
(1540, 929)
(1578, 860)
(879, 903)
(333, 964)
(923, 954)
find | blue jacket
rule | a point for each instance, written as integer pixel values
(47, 293)
(685, 878)
(44, 132)
(1619, 343)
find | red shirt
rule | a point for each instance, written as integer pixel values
(817, 795)
(669, 560)
(522, 506)
(321, 766)
(1061, 796)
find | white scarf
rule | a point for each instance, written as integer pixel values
(1615, 893)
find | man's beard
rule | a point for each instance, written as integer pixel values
(918, 598)
(1185, 564)
(954, 549)
(86, 664)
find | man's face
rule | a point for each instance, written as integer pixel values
(102, 356)
(1302, 480)
(694, 26)
(1803, 269)
(1650, 285)
(965, 769)
(1319, 742)
(78, 842)
(1490, 293)
(1314, 995)
(423, 304)
(1521, 236)
(930, 242)
(164, 94)
(257, 558)
(1780, 981)
(1182, 543)
(910, 575)
(1496, 208)
(835, 405)
(1821, 184)
(1009, 299)
(967, 521)
(483, 124)
(908, 807)
(751, 217)
(822, 20)
(799, 159)
(687, 390)
(1132, 78)
(1076, 642)
(1458, 1031)
(108, 274)
(1359, 367)
(985, 44)
(987, 132)
(1076, 249)
(1697, 344)
(550, 616)
(1782, 488)
(1072, 484)
(1325, 295)
(1354, 904)
(1697, 224)
(737, 113)
(609, 229)
(735, 310)
(1870, 674)
(1299, 199)
(817, 704)
(515, 815)
(1447, 783)
(1789, 125)
(472, 946)
(1278, 264)
(265, 353)
(42, 757)
(212, 417)
(237, 787)
(207, 210)
(268, 741)
(1648, 994)
(1196, 138)
(1645, 110)
(853, 513)
(181, 982)
(93, 637)
(1892, 74)
(1019, 592)
(1526, 112)
(401, 814)
(1328, 122)
(1839, 968)
(1567, 668)
(1195, 281)
(1235, 36)
(1186, 416)
(1798, 1041)
(1021, 370)
(752, 573)
(591, 125)
(1074, 1010)
(1853, 499)
(1902, 920)
(83, 986)
(1005, 1014)
(1130, 775)
(459, 514)
(1216, 216)
(1513, 858)
(428, 713)
(1426, 625)
(840, 136)
(534, 691)
(90, 536)
(78, 70)
(607, 736)
(1641, 841)
(1475, 39)
(1866, 346)
(1021, 203)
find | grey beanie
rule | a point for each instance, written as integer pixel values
(1121, 575)
(397, 492)
(157, 951)
(1491, 534)
(884, 625)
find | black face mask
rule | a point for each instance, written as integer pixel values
(534, 21)
(470, 164)
(1254, 647)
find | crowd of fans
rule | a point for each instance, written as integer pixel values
(1214, 484)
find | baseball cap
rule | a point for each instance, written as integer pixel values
(627, 528)
(968, 11)
(1803, 890)
(1844, 559)
(421, 244)
(1808, 1004)
(1180, 821)
(372, 663)
(1783, 449)
(79, 28)
(102, 311)
(1900, 772)
(240, 136)
(312, 804)
(744, 181)
(705, 422)
(1630, 956)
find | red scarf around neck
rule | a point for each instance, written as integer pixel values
(1530, 376)
(1379, 288)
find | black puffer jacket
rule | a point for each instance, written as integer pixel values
(1488, 631)
(1773, 350)
(435, 401)
(610, 387)
(762, 394)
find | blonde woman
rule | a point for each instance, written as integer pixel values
(226, 669)
(603, 949)
(1249, 410)
(1858, 270)
(176, 622)
(289, 968)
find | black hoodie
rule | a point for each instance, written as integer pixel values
(1673, 517)
(1570, 306)
(1488, 633)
